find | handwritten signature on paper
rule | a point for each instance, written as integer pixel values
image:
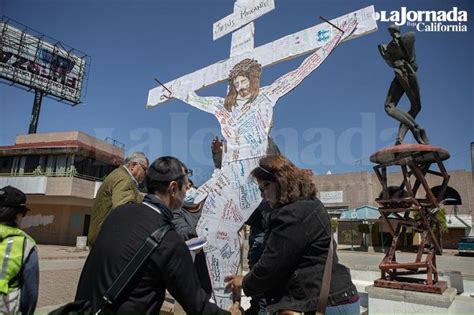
(227, 251)
(222, 235)
(231, 212)
(216, 274)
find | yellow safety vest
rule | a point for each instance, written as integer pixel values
(14, 249)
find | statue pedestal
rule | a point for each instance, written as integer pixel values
(390, 301)
(411, 284)
(400, 207)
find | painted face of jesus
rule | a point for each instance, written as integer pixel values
(242, 85)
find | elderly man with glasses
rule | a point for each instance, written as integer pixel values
(119, 187)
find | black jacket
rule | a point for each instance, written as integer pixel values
(185, 222)
(258, 223)
(169, 267)
(292, 264)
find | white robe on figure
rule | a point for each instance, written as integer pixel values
(231, 195)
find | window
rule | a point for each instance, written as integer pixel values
(83, 165)
(16, 163)
(91, 167)
(19, 165)
(61, 164)
(6, 164)
(50, 164)
(31, 163)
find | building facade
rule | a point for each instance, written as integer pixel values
(342, 192)
(60, 173)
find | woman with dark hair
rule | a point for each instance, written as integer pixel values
(291, 268)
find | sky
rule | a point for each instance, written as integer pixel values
(333, 121)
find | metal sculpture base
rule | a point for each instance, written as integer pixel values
(406, 209)
(412, 284)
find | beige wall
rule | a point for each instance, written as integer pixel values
(70, 186)
(362, 188)
(58, 216)
(57, 213)
(55, 224)
(357, 188)
(459, 180)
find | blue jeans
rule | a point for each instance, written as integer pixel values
(344, 309)
(258, 306)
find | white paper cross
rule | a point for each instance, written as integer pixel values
(285, 48)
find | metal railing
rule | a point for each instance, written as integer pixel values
(38, 172)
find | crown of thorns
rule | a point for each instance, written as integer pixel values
(245, 66)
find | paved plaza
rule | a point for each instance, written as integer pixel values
(60, 267)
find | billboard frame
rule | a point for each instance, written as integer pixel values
(55, 53)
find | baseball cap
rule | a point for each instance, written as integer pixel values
(12, 197)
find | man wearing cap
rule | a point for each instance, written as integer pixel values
(119, 187)
(169, 267)
(19, 278)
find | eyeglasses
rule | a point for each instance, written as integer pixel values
(143, 167)
(262, 188)
(188, 172)
(266, 171)
(154, 175)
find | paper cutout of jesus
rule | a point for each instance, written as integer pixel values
(245, 117)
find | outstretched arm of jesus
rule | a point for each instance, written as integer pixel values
(208, 104)
(291, 80)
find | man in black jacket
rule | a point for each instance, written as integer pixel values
(169, 267)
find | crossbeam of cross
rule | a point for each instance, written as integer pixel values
(285, 48)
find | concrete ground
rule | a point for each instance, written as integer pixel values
(60, 269)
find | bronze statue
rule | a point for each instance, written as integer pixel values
(400, 56)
